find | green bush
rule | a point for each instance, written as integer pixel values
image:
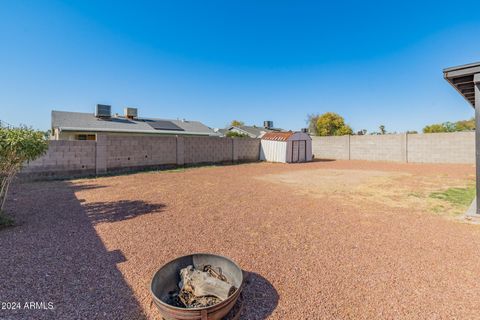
(17, 147)
(234, 134)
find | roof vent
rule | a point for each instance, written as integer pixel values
(268, 124)
(103, 111)
(130, 113)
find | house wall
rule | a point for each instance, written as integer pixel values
(454, 147)
(66, 159)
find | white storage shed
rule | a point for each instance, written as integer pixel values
(286, 147)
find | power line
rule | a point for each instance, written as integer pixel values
(4, 124)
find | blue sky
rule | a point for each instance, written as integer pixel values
(374, 63)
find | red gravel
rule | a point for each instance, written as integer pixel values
(91, 246)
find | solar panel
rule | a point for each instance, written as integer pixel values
(164, 125)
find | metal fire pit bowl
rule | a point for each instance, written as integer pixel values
(166, 280)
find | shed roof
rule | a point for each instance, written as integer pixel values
(461, 78)
(87, 122)
(277, 136)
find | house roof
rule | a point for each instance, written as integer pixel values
(277, 136)
(462, 79)
(221, 131)
(77, 121)
(251, 130)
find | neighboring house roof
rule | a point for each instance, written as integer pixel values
(254, 132)
(77, 121)
(221, 131)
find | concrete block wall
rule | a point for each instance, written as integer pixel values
(335, 147)
(458, 147)
(101, 164)
(453, 147)
(76, 158)
(208, 149)
(389, 147)
(66, 158)
(246, 149)
(138, 151)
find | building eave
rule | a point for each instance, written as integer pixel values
(462, 79)
(170, 132)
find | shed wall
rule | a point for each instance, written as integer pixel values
(273, 151)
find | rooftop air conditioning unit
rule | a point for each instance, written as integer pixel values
(103, 111)
(130, 113)
(268, 124)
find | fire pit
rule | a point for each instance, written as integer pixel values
(165, 285)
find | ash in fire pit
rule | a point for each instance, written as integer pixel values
(197, 287)
(200, 288)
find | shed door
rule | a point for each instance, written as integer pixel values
(302, 151)
(295, 151)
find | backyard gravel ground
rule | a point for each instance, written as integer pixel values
(91, 246)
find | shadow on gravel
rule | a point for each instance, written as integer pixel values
(323, 160)
(80, 187)
(119, 210)
(259, 296)
(55, 255)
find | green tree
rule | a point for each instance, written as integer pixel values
(434, 128)
(449, 126)
(17, 146)
(234, 134)
(332, 124)
(312, 123)
(465, 125)
(236, 123)
(440, 127)
(382, 129)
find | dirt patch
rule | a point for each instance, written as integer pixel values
(368, 187)
(328, 180)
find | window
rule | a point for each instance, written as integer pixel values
(86, 137)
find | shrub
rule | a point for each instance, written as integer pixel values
(17, 146)
(234, 134)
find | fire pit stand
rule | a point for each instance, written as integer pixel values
(165, 282)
